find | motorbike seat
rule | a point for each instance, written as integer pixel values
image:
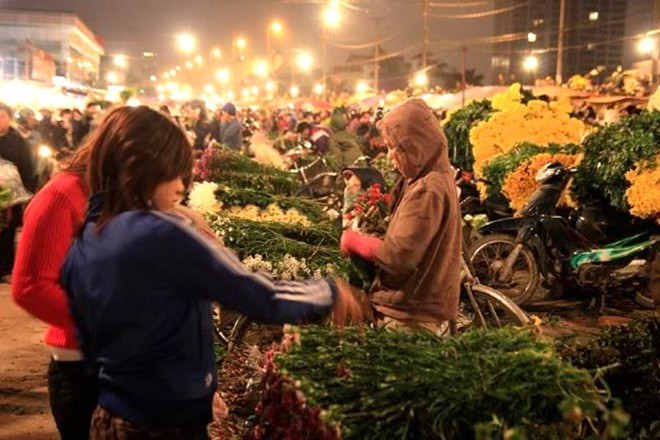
(611, 252)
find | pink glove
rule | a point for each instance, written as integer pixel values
(354, 243)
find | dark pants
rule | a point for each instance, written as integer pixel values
(73, 396)
(107, 426)
(7, 238)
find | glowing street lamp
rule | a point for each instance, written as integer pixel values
(531, 37)
(153, 78)
(274, 28)
(112, 77)
(199, 59)
(531, 63)
(222, 76)
(421, 79)
(186, 42)
(189, 64)
(332, 16)
(166, 75)
(305, 62)
(173, 72)
(361, 87)
(646, 46)
(209, 89)
(120, 61)
(241, 43)
(270, 87)
(294, 91)
(216, 53)
(261, 69)
(318, 89)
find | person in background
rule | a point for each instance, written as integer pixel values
(63, 131)
(214, 125)
(317, 135)
(27, 127)
(14, 149)
(140, 280)
(200, 128)
(418, 263)
(344, 145)
(83, 125)
(51, 222)
(45, 126)
(231, 130)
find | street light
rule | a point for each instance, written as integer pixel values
(112, 78)
(261, 68)
(648, 46)
(186, 42)
(120, 61)
(241, 43)
(222, 76)
(305, 62)
(318, 89)
(199, 59)
(189, 64)
(216, 53)
(530, 64)
(421, 79)
(153, 78)
(294, 91)
(274, 28)
(361, 87)
(331, 19)
(531, 37)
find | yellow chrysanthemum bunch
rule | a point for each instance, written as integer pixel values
(272, 213)
(537, 122)
(654, 101)
(520, 184)
(644, 192)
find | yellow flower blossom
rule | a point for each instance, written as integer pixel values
(644, 192)
(520, 184)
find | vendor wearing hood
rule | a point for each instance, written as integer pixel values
(419, 261)
(344, 145)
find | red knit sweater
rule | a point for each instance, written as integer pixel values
(50, 223)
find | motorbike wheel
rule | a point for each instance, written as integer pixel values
(491, 309)
(488, 255)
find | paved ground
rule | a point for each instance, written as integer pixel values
(24, 411)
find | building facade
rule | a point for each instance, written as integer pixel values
(594, 33)
(73, 49)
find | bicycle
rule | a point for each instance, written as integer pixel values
(480, 306)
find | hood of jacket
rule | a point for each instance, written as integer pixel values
(338, 122)
(415, 132)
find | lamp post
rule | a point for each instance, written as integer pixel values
(331, 20)
(237, 50)
(275, 28)
(649, 46)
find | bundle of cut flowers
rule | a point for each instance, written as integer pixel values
(379, 384)
(370, 212)
(237, 170)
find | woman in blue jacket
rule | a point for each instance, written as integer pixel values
(141, 280)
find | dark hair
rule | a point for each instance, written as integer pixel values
(303, 126)
(65, 111)
(132, 152)
(165, 109)
(5, 108)
(363, 129)
(75, 110)
(91, 104)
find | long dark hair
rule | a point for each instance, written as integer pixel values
(131, 153)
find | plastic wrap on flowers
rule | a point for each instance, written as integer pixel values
(322, 384)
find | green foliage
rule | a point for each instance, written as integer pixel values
(458, 131)
(317, 244)
(240, 196)
(630, 358)
(611, 152)
(381, 384)
(498, 169)
(273, 183)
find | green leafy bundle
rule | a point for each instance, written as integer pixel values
(240, 196)
(458, 129)
(234, 169)
(386, 384)
(611, 152)
(317, 244)
(498, 169)
(630, 356)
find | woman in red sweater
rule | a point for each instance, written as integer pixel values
(51, 221)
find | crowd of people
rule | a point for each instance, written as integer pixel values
(124, 274)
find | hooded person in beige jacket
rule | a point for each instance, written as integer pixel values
(419, 261)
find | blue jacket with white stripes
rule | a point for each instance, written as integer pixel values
(140, 292)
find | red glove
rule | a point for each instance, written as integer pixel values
(365, 246)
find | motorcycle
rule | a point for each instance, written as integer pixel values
(515, 253)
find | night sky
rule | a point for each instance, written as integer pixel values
(136, 26)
